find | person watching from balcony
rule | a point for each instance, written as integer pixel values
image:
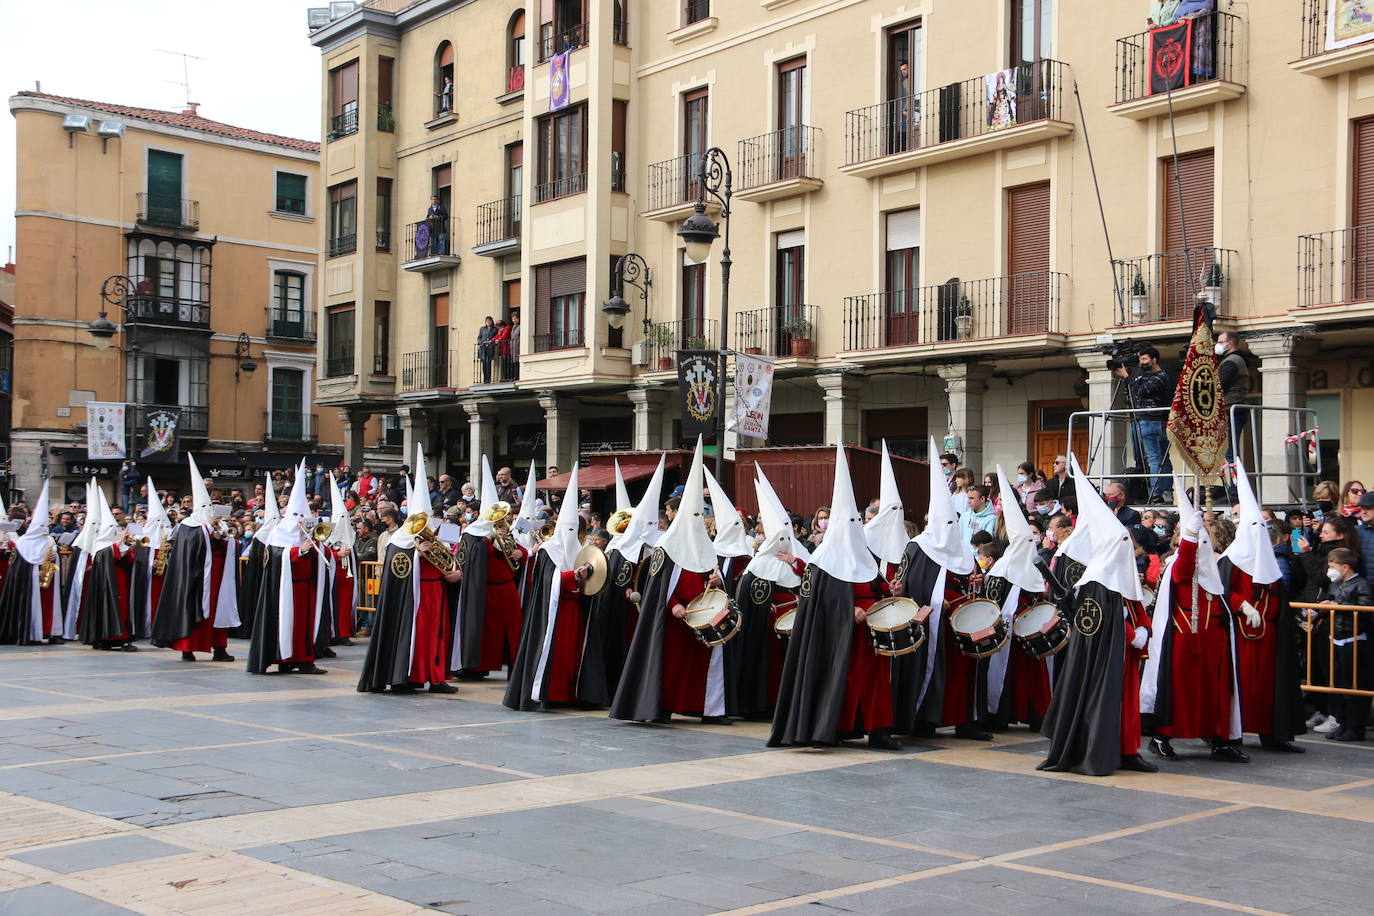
(1151, 386)
(501, 343)
(514, 345)
(486, 349)
(1163, 13)
(446, 96)
(436, 219)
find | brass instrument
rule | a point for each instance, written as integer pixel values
(619, 521)
(428, 544)
(545, 532)
(498, 513)
(145, 541)
(321, 531)
(47, 571)
(160, 558)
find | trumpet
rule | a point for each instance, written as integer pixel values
(545, 532)
(428, 544)
(619, 521)
(498, 513)
(321, 531)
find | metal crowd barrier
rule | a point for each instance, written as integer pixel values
(371, 572)
(1325, 614)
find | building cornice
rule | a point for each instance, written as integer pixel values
(116, 224)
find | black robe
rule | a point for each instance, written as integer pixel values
(811, 695)
(140, 586)
(264, 650)
(16, 605)
(179, 608)
(472, 600)
(68, 575)
(537, 613)
(746, 656)
(1084, 719)
(641, 681)
(609, 614)
(1289, 715)
(919, 573)
(99, 619)
(388, 649)
(249, 588)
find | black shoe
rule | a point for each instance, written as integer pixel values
(1137, 764)
(442, 688)
(1286, 747)
(341, 641)
(882, 740)
(221, 656)
(922, 730)
(56, 641)
(287, 667)
(188, 656)
(327, 652)
(1229, 753)
(405, 688)
(127, 647)
(716, 720)
(971, 732)
(1347, 734)
(471, 674)
(1161, 747)
(664, 719)
(310, 668)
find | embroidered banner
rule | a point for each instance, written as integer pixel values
(1171, 48)
(1197, 418)
(696, 380)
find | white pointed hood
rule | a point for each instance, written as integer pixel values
(1252, 552)
(271, 513)
(886, 532)
(106, 529)
(419, 487)
(1078, 546)
(287, 532)
(1017, 563)
(86, 536)
(34, 543)
(481, 526)
(799, 548)
(844, 553)
(342, 533)
(1208, 574)
(200, 515)
(524, 524)
(778, 537)
(622, 495)
(157, 525)
(941, 540)
(563, 545)
(643, 520)
(731, 538)
(686, 541)
(1112, 563)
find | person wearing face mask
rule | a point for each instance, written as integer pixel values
(949, 464)
(1353, 666)
(819, 522)
(1028, 484)
(1045, 505)
(1151, 386)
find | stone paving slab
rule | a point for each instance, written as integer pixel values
(48, 900)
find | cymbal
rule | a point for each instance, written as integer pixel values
(596, 580)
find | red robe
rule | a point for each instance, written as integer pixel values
(48, 598)
(155, 581)
(1199, 663)
(123, 567)
(569, 631)
(343, 598)
(501, 616)
(1137, 619)
(686, 659)
(1027, 684)
(433, 627)
(305, 572)
(205, 637)
(1257, 652)
(961, 671)
(867, 704)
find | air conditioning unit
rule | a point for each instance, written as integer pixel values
(110, 129)
(639, 354)
(77, 123)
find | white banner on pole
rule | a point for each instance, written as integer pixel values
(753, 394)
(104, 430)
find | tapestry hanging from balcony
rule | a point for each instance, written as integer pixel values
(1171, 48)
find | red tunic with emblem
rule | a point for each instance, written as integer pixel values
(343, 597)
(1199, 662)
(1137, 618)
(433, 635)
(570, 629)
(686, 659)
(1257, 652)
(305, 573)
(960, 670)
(501, 617)
(205, 637)
(1027, 683)
(867, 701)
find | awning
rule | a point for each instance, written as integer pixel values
(598, 476)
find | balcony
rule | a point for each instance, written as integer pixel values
(492, 364)
(560, 187)
(290, 323)
(558, 339)
(338, 366)
(344, 123)
(1336, 268)
(1163, 287)
(667, 337)
(570, 39)
(1010, 313)
(290, 428)
(430, 244)
(498, 228)
(783, 163)
(785, 331)
(1213, 71)
(168, 212)
(955, 121)
(674, 186)
(386, 118)
(1315, 58)
(193, 422)
(427, 370)
(170, 312)
(341, 245)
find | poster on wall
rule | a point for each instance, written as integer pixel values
(104, 430)
(1348, 22)
(753, 395)
(1001, 99)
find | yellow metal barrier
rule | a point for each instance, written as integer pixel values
(371, 572)
(1317, 622)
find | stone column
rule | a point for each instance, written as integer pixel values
(964, 386)
(649, 406)
(414, 428)
(843, 417)
(560, 431)
(481, 438)
(1282, 385)
(1105, 439)
(354, 426)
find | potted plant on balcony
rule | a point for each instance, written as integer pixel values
(1140, 298)
(1210, 280)
(697, 343)
(662, 336)
(799, 330)
(963, 318)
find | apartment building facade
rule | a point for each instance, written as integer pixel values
(915, 223)
(203, 237)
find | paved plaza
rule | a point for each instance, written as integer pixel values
(137, 782)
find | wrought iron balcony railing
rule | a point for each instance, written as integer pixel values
(193, 422)
(493, 364)
(560, 187)
(780, 155)
(675, 182)
(290, 427)
(342, 244)
(163, 210)
(430, 238)
(1164, 287)
(1212, 54)
(561, 339)
(498, 221)
(335, 366)
(290, 323)
(426, 369)
(186, 313)
(344, 123)
(683, 334)
(570, 39)
(1336, 266)
(783, 330)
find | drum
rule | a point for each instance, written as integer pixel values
(713, 617)
(1040, 631)
(979, 628)
(893, 627)
(782, 627)
(1149, 600)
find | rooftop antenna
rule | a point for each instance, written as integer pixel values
(185, 81)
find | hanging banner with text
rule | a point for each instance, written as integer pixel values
(696, 382)
(104, 430)
(753, 395)
(159, 440)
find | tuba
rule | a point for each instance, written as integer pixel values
(498, 513)
(48, 570)
(619, 521)
(427, 542)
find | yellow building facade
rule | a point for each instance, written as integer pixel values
(204, 238)
(914, 222)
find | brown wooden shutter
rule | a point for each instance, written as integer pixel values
(1027, 293)
(542, 299)
(568, 278)
(1360, 282)
(1194, 187)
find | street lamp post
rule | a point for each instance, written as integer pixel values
(699, 232)
(629, 269)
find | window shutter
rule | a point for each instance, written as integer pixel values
(1028, 228)
(1195, 175)
(568, 278)
(542, 298)
(904, 230)
(794, 238)
(446, 55)
(1362, 209)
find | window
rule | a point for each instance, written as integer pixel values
(343, 100)
(288, 304)
(1031, 29)
(163, 204)
(515, 183)
(386, 69)
(381, 338)
(562, 27)
(443, 80)
(438, 338)
(171, 280)
(901, 313)
(339, 341)
(619, 111)
(288, 405)
(903, 114)
(560, 293)
(383, 214)
(789, 293)
(694, 111)
(562, 154)
(290, 193)
(695, 11)
(693, 298)
(343, 226)
(172, 372)
(791, 119)
(515, 65)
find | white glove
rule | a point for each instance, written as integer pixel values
(1194, 523)
(1141, 637)
(1252, 616)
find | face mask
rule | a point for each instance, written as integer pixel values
(467, 516)
(1160, 530)
(1334, 575)
(823, 524)
(948, 471)
(1220, 349)
(1020, 478)
(1043, 509)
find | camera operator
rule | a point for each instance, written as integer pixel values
(1151, 386)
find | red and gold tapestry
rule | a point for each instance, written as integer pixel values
(1197, 418)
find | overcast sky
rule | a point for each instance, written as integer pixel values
(259, 68)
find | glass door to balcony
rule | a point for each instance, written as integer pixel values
(789, 292)
(791, 118)
(288, 313)
(693, 141)
(288, 405)
(903, 113)
(900, 306)
(1031, 29)
(164, 188)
